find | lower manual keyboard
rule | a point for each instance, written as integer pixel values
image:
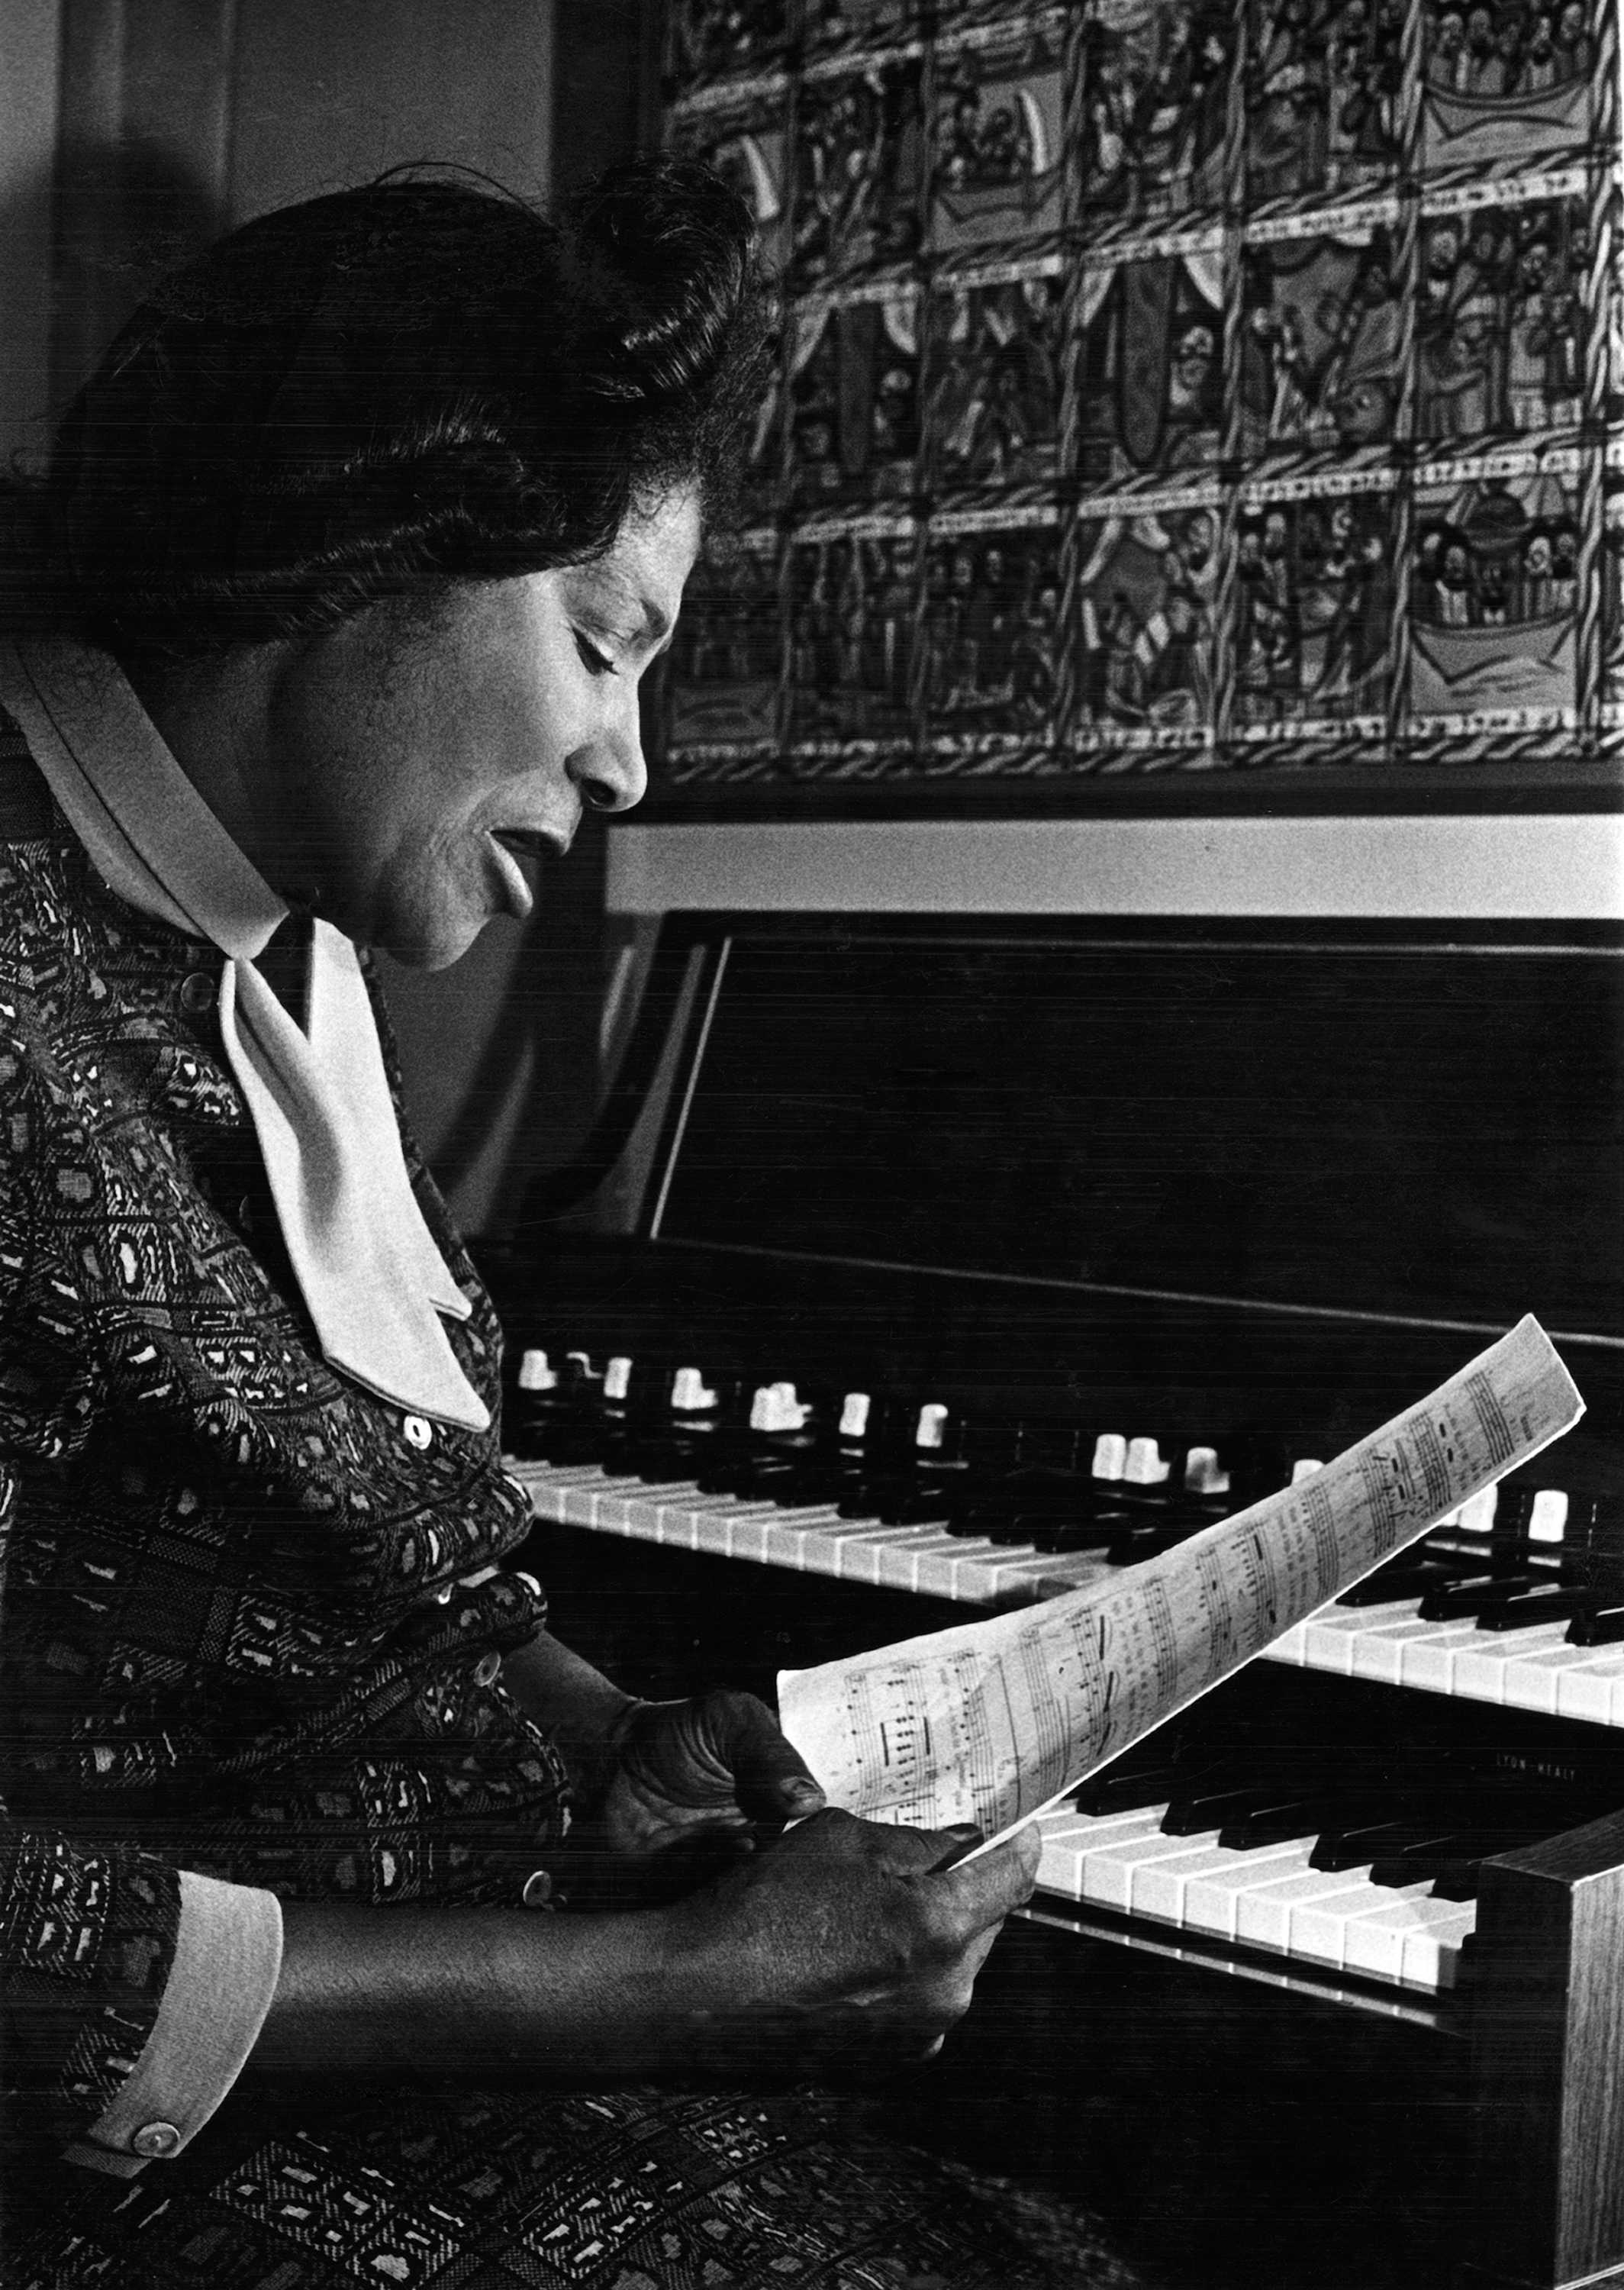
(1532, 1668)
(1270, 1900)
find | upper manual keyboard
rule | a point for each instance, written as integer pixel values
(1532, 1665)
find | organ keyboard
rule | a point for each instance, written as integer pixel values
(1517, 1657)
(963, 1266)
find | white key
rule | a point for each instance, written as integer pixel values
(1432, 1959)
(551, 1486)
(1379, 1651)
(1004, 1576)
(873, 1553)
(1427, 1659)
(1333, 1636)
(1482, 1672)
(1110, 1830)
(1594, 1690)
(628, 1510)
(1162, 1889)
(622, 1509)
(1414, 1938)
(1292, 1646)
(1212, 1903)
(1064, 1865)
(1113, 1871)
(805, 1540)
(1535, 1681)
(759, 1535)
(950, 1566)
(1265, 1916)
(718, 1531)
(1319, 1928)
(1073, 1569)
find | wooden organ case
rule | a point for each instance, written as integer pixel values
(1110, 1221)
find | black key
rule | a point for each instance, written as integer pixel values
(819, 1483)
(1085, 1533)
(1352, 1848)
(1460, 1883)
(1139, 1780)
(1301, 1816)
(1598, 1626)
(1131, 1549)
(656, 1460)
(1527, 1612)
(865, 1496)
(571, 1443)
(1446, 1857)
(766, 1476)
(1012, 1531)
(1127, 1792)
(1390, 1583)
(1063, 1493)
(617, 1456)
(1451, 1878)
(1460, 1603)
(1194, 1813)
(727, 1476)
(919, 1503)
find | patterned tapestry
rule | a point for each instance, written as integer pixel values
(1166, 387)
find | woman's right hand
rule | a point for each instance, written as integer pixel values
(846, 1941)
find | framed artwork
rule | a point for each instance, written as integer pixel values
(1196, 405)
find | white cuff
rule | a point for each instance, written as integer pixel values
(227, 1957)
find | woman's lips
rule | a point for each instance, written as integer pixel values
(525, 841)
(508, 848)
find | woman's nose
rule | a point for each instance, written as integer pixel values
(610, 770)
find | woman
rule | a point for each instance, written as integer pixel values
(332, 610)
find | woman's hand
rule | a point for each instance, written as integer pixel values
(840, 1944)
(695, 1785)
(846, 1941)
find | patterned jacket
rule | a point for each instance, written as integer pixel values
(238, 1635)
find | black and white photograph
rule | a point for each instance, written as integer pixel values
(811, 1145)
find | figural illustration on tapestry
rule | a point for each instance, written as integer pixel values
(1163, 387)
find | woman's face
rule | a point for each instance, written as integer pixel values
(414, 774)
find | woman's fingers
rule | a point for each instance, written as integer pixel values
(720, 1750)
(772, 1780)
(847, 1940)
(987, 1888)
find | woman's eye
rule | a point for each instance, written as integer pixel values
(596, 662)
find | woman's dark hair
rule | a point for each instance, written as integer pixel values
(372, 395)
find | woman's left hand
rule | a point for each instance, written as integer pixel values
(696, 1783)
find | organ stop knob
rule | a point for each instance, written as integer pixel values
(1110, 1456)
(931, 1425)
(536, 1373)
(855, 1415)
(690, 1393)
(1203, 1474)
(1144, 1467)
(776, 1408)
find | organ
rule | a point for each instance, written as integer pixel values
(961, 1260)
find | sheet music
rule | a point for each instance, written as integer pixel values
(995, 1721)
